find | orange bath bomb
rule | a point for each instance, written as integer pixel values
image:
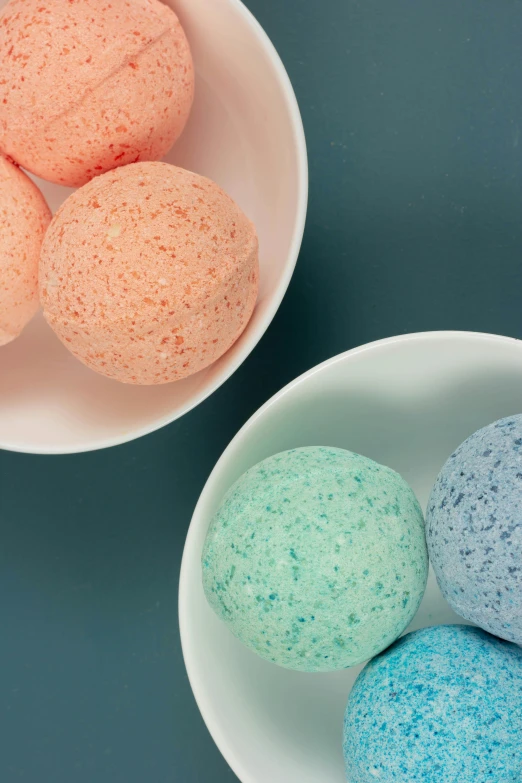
(149, 273)
(86, 86)
(24, 217)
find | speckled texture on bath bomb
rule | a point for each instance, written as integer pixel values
(474, 529)
(316, 558)
(442, 705)
(86, 86)
(24, 217)
(149, 273)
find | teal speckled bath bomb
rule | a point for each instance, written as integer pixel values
(316, 558)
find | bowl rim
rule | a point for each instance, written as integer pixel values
(212, 723)
(275, 300)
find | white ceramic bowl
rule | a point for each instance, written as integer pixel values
(245, 132)
(406, 402)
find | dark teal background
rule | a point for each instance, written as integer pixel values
(413, 116)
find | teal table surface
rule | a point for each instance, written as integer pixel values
(413, 117)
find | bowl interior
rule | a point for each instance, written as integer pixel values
(406, 402)
(245, 133)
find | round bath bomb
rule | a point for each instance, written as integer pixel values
(474, 529)
(24, 217)
(87, 86)
(442, 705)
(149, 273)
(316, 558)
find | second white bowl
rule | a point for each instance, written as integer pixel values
(406, 402)
(245, 132)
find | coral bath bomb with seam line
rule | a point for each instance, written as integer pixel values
(87, 86)
(149, 273)
(24, 217)
(316, 558)
(442, 705)
(474, 529)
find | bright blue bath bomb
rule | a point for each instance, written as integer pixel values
(474, 529)
(442, 705)
(316, 558)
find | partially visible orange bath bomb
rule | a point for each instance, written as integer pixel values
(24, 217)
(87, 85)
(149, 273)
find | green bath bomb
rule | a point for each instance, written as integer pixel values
(316, 558)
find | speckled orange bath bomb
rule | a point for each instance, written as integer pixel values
(24, 217)
(88, 85)
(149, 273)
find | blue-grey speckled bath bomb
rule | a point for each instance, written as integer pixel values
(474, 529)
(442, 705)
(316, 558)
